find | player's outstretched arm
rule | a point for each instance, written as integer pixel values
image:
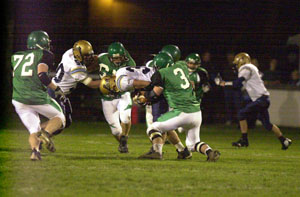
(94, 84)
(43, 76)
(139, 84)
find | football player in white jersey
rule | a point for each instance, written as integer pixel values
(73, 70)
(249, 78)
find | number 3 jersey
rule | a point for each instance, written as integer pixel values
(177, 88)
(27, 87)
(126, 75)
(69, 72)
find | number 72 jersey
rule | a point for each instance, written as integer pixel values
(126, 75)
(27, 87)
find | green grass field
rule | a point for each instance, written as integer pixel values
(87, 163)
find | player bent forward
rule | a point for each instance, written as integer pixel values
(174, 83)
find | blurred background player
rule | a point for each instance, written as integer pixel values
(198, 75)
(30, 97)
(73, 70)
(175, 84)
(249, 78)
(116, 106)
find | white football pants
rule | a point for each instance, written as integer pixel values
(117, 110)
(190, 122)
(29, 114)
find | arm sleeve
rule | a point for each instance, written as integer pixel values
(48, 58)
(238, 83)
(203, 76)
(156, 80)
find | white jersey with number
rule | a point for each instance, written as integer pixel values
(69, 72)
(253, 83)
(126, 75)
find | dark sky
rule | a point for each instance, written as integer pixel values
(144, 26)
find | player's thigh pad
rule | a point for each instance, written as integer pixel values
(111, 115)
(51, 110)
(124, 83)
(124, 107)
(28, 116)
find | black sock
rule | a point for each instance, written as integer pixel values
(281, 139)
(245, 136)
(208, 151)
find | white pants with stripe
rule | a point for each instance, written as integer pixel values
(29, 114)
(190, 123)
(117, 110)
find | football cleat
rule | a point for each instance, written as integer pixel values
(185, 154)
(286, 143)
(45, 138)
(241, 143)
(123, 147)
(213, 156)
(151, 155)
(35, 155)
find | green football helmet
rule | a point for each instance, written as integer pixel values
(117, 53)
(162, 60)
(193, 61)
(38, 40)
(173, 50)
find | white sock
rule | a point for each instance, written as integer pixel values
(158, 148)
(179, 146)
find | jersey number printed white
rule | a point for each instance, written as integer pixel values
(126, 75)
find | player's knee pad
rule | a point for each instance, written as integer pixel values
(154, 134)
(126, 119)
(125, 116)
(116, 131)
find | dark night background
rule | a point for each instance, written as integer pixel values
(260, 28)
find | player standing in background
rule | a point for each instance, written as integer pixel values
(185, 111)
(117, 106)
(30, 97)
(73, 70)
(198, 75)
(249, 78)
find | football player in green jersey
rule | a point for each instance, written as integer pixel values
(117, 106)
(174, 83)
(198, 75)
(30, 97)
